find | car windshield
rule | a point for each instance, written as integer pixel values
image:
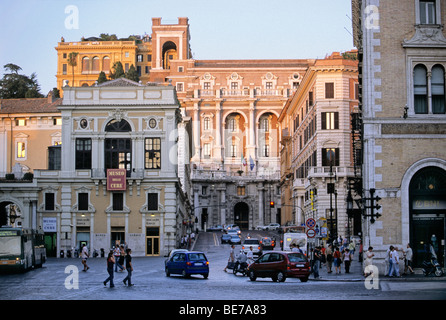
(196, 256)
(251, 241)
(297, 257)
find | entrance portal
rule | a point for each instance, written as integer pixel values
(427, 203)
(241, 215)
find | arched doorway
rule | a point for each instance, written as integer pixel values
(241, 215)
(169, 53)
(427, 205)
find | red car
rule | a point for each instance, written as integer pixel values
(280, 265)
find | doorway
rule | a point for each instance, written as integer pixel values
(241, 215)
(152, 241)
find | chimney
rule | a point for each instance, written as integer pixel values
(50, 97)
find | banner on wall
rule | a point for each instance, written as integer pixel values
(116, 179)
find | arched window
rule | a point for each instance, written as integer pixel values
(95, 64)
(420, 89)
(85, 64)
(106, 64)
(118, 126)
(437, 85)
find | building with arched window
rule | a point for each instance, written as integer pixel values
(402, 48)
(120, 179)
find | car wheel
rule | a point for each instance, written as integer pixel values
(281, 277)
(185, 274)
(305, 279)
(205, 275)
(252, 276)
(167, 273)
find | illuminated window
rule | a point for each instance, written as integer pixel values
(21, 150)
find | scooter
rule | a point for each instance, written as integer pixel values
(240, 267)
(432, 266)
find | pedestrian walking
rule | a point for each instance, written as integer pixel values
(316, 262)
(231, 259)
(329, 258)
(116, 255)
(347, 257)
(129, 267)
(337, 260)
(408, 254)
(361, 251)
(110, 263)
(368, 261)
(250, 256)
(394, 259)
(84, 256)
(388, 262)
(122, 254)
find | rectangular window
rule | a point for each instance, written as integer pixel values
(152, 153)
(329, 90)
(206, 85)
(118, 201)
(64, 68)
(330, 120)
(82, 201)
(207, 150)
(330, 157)
(233, 150)
(152, 201)
(180, 87)
(265, 150)
(21, 150)
(49, 201)
(241, 191)
(20, 122)
(54, 157)
(427, 12)
(83, 153)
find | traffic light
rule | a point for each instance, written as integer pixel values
(271, 204)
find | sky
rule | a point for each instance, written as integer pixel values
(229, 29)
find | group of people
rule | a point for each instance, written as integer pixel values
(393, 260)
(241, 257)
(187, 239)
(332, 256)
(119, 257)
(116, 259)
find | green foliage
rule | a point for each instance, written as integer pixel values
(102, 77)
(132, 74)
(118, 71)
(14, 85)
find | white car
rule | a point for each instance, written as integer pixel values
(271, 226)
(254, 243)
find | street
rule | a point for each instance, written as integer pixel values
(62, 279)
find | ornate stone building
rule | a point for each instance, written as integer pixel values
(402, 47)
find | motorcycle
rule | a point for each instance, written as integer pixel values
(431, 266)
(240, 267)
(240, 264)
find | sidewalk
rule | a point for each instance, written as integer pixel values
(356, 274)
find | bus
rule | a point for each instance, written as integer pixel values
(21, 249)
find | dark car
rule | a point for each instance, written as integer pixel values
(187, 263)
(267, 243)
(279, 266)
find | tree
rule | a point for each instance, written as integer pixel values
(102, 77)
(118, 71)
(14, 85)
(72, 61)
(132, 74)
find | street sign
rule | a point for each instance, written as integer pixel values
(310, 223)
(311, 233)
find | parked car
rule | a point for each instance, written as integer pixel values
(279, 266)
(235, 239)
(188, 263)
(215, 228)
(225, 238)
(271, 226)
(254, 243)
(231, 226)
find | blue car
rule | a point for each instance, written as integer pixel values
(188, 263)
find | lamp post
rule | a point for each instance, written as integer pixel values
(349, 210)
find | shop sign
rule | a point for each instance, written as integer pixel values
(49, 224)
(428, 204)
(116, 179)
